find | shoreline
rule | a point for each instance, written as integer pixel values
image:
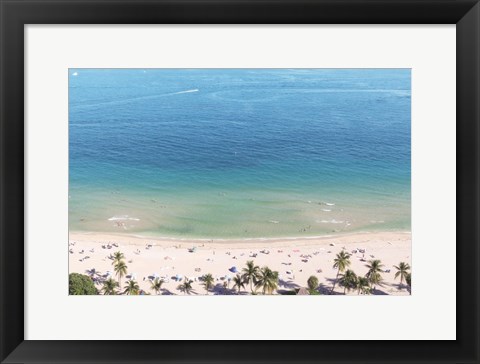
(295, 259)
(227, 241)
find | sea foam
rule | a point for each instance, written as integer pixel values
(123, 218)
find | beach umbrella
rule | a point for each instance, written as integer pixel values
(233, 270)
(178, 277)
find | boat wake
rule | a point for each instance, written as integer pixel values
(133, 99)
(186, 92)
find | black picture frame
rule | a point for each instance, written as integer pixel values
(15, 14)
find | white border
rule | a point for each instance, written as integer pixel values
(428, 314)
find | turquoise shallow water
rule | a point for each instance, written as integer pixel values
(239, 153)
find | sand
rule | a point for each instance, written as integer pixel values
(294, 259)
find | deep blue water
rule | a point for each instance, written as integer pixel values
(239, 152)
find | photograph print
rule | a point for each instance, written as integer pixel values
(239, 182)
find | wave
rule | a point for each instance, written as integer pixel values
(333, 221)
(123, 218)
(326, 203)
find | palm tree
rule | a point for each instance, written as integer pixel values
(131, 288)
(268, 280)
(312, 283)
(117, 257)
(341, 262)
(238, 282)
(186, 287)
(373, 274)
(348, 280)
(208, 281)
(402, 271)
(109, 287)
(250, 273)
(408, 279)
(120, 270)
(363, 286)
(156, 285)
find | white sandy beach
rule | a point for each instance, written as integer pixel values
(294, 259)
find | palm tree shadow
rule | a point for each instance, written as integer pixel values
(284, 292)
(327, 290)
(218, 289)
(401, 287)
(287, 284)
(331, 280)
(379, 292)
(92, 272)
(381, 289)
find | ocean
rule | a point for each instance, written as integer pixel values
(239, 153)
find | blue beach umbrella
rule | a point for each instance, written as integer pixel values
(233, 269)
